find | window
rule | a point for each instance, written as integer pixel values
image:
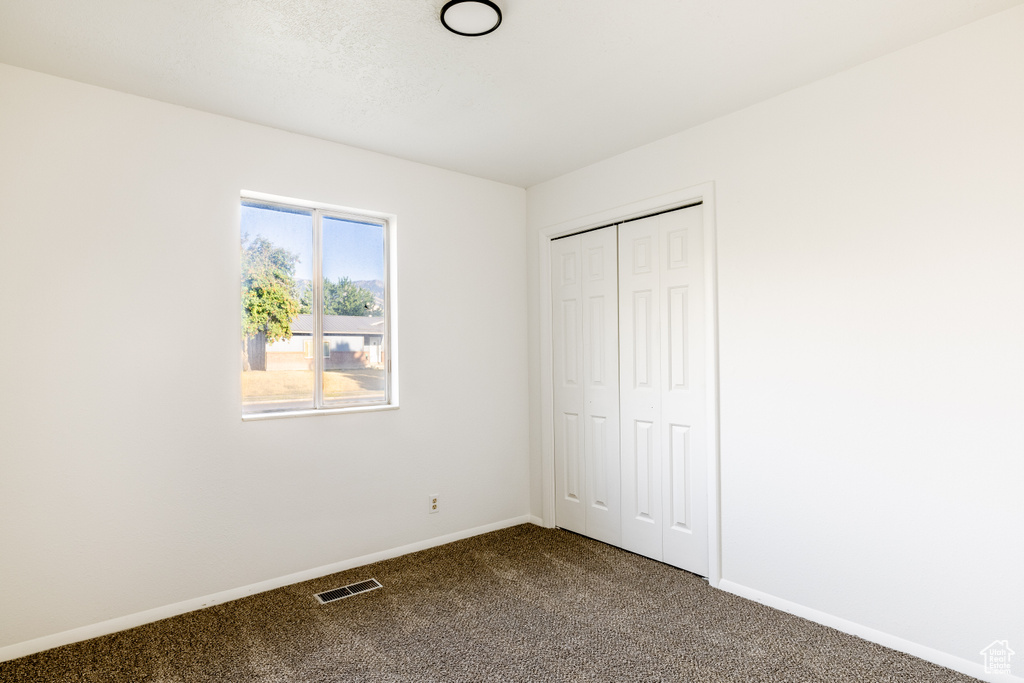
(314, 276)
(307, 347)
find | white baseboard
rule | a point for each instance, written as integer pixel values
(964, 666)
(103, 628)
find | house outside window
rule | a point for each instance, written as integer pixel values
(315, 276)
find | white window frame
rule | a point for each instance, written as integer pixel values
(307, 349)
(389, 222)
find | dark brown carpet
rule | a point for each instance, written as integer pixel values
(521, 604)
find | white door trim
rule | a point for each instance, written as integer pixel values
(705, 193)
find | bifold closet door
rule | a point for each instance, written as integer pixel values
(662, 389)
(584, 334)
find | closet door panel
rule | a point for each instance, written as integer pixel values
(639, 388)
(683, 404)
(662, 381)
(568, 377)
(601, 384)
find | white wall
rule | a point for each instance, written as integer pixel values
(128, 480)
(871, 301)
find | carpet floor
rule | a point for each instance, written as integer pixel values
(520, 604)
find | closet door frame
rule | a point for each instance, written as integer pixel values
(705, 194)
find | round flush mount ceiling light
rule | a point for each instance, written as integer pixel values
(470, 17)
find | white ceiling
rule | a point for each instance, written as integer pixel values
(562, 83)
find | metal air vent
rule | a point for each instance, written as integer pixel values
(348, 591)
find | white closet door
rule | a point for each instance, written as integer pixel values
(567, 374)
(601, 385)
(662, 389)
(586, 391)
(640, 387)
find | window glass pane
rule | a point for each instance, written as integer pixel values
(277, 321)
(355, 334)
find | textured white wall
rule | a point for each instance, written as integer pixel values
(128, 480)
(871, 301)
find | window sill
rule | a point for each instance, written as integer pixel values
(255, 417)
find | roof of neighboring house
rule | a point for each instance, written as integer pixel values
(340, 324)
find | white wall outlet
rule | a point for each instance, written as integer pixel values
(433, 503)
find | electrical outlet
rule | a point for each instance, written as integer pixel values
(433, 504)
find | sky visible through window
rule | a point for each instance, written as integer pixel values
(350, 249)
